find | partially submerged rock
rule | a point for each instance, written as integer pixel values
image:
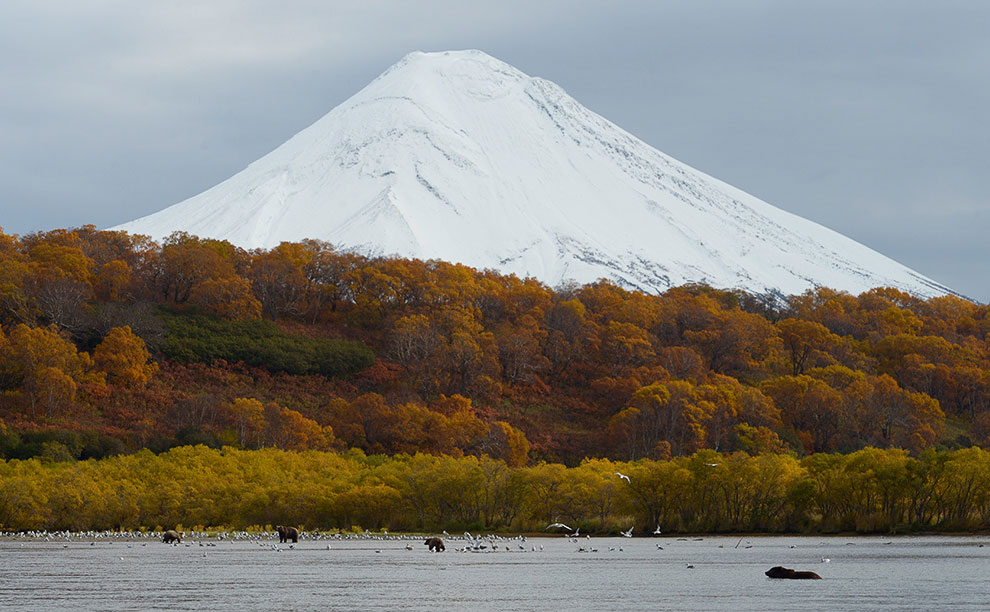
(783, 572)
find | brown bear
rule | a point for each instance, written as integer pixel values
(172, 536)
(435, 544)
(287, 533)
(783, 572)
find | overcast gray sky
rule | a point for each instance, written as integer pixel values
(867, 117)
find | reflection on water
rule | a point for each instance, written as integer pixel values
(870, 573)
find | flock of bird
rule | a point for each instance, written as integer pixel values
(465, 543)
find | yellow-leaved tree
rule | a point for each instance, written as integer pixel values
(43, 368)
(125, 358)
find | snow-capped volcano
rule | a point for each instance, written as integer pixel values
(461, 157)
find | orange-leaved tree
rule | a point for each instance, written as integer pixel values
(124, 358)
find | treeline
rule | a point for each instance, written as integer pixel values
(306, 347)
(870, 490)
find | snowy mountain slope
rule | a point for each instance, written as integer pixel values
(461, 157)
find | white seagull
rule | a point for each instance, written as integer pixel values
(553, 525)
(627, 534)
(623, 477)
(657, 530)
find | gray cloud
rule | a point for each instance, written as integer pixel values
(864, 116)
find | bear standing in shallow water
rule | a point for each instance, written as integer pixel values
(287, 533)
(783, 572)
(435, 544)
(172, 536)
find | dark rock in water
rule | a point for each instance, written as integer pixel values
(783, 572)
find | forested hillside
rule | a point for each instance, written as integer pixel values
(111, 343)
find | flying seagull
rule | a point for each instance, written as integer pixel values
(627, 534)
(657, 530)
(623, 477)
(552, 525)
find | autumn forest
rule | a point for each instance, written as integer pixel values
(192, 382)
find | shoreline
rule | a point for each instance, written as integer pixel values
(318, 535)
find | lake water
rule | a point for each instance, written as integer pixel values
(864, 573)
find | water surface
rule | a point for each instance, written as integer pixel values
(864, 573)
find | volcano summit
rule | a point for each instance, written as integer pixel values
(461, 157)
